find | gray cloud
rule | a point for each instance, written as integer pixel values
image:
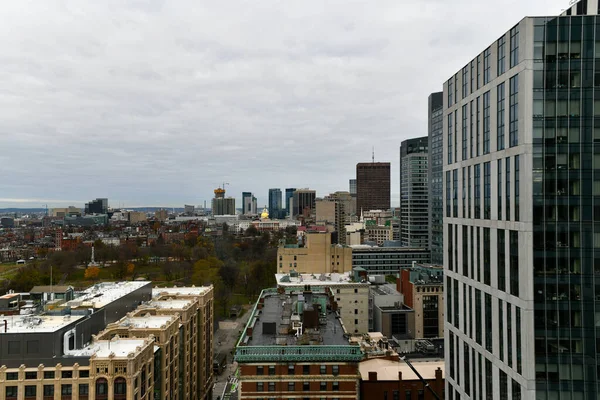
(158, 102)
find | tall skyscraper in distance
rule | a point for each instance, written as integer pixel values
(249, 204)
(304, 202)
(275, 209)
(521, 217)
(222, 205)
(352, 187)
(289, 197)
(372, 186)
(414, 193)
(435, 119)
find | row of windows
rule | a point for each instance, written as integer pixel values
(323, 369)
(291, 386)
(12, 392)
(452, 190)
(67, 374)
(452, 95)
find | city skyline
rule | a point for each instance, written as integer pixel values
(108, 105)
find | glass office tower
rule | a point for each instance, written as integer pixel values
(522, 215)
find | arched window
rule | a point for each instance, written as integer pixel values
(101, 389)
(120, 388)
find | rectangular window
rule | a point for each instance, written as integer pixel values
(455, 88)
(450, 91)
(335, 370)
(469, 192)
(48, 390)
(472, 121)
(514, 46)
(30, 374)
(450, 248)
(84, 389)
(306, 386)
(514, 262)
(472, 246)
(448, 191)
(478, 250)
(513, 111)
(467, 369)
(260, 370)
(509, 346)
(503, 385)
(516, 388)
(501, 258)
(489, 391)
(465, 82)
(487, 191)
(271, 370)
(478, 320)
(517, 159)
(500, 117)
(507, 186)
(12, 392)
(66, 390)
(500, 189)
(291, 369)
(518, 333)
(486, 122)
(478, 71)
(477, 128)
(12, 376)
(477, 190)
(455, 193)
(456, 306)
(464, 131)
(335, 386)
(30, 391)
(486, 66)
(455, 145)
(501, 55)
(323, 369)
(500, 331)
(323, 386)
(472, 76)
(450, 139)
(486, 257)
(451, 363)
(306, 370)
(50, 375)
(464, 192)
(291, 386)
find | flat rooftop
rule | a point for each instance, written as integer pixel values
(275, 320)
(184, 291)
(103, 348)
(387, 370)
(170, 304)
(36, 323)
(101, 294)
(148, 322)
(330, 279)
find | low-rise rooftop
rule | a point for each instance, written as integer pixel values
(329, 279)
(146, 322)
(104, 348)
(35, 323)
(170, 304)
(387, 370)
(183, 291)
(101, 294)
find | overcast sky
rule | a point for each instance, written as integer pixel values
(155, 102)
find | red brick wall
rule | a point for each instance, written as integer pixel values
(405, 286)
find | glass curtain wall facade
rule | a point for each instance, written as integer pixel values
(414, 193)
(531, 281)
(436, 177)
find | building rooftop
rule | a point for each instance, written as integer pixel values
(291, 320)
(146, 322)
(314, 279)
(183, 291)
(104, 348)
(170, 304)
(101, 294)
(387, 370)
(50, 289)
(35, 323)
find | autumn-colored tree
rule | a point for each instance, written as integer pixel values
(91, 272)
(130, 268)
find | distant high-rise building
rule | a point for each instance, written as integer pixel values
(188, 209)
(222, 205)
(436, 181)
(304, 201)
(372, 186)
(289, 198)
(521, 213)
(353, 187)
(249, 204)
(414, 204)
(275, 209)
(332, 210)
(98, 206)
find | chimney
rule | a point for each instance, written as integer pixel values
(372, 376)
(400, 376)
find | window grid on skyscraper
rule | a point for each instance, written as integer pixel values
(501, 54)
(486, 122)
(464, 131)
(500, 117)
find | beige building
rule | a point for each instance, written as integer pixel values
(316, 257)
(332, 211)
(65, 211)
(378, 233)
(135, 217)
(159, 349)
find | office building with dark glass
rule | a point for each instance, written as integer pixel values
(435, 120)
(414, 193)
(372, 186)
(522, 213)
(275, 210)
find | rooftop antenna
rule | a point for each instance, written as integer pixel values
(373, 154)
